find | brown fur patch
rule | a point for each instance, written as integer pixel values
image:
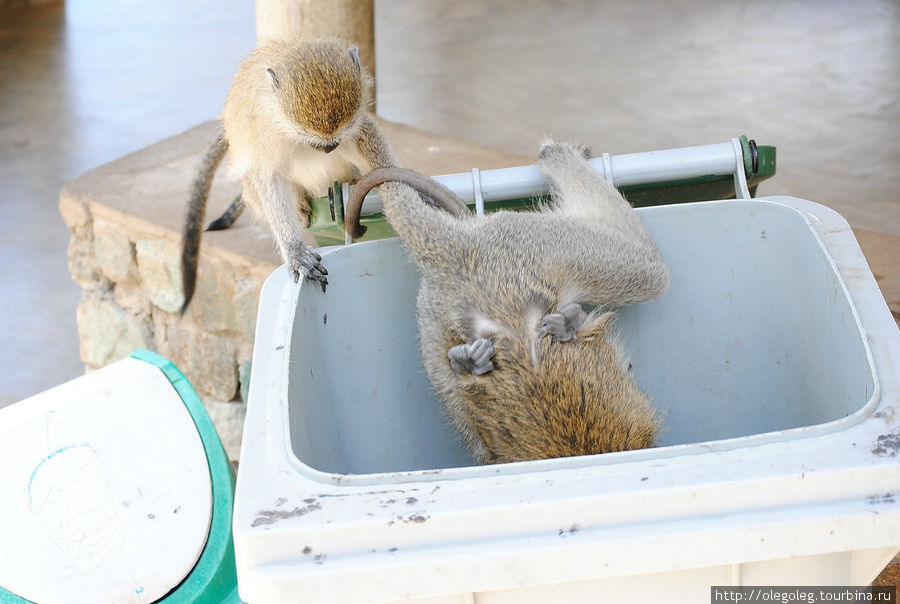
(320, 87)
(523, 412)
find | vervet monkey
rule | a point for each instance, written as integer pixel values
(296, 119)
(525, 372)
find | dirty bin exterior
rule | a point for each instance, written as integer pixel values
(773, 356)
(115, 487)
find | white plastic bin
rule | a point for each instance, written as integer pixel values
(775, 359)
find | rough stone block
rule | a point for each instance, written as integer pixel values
(209, 361)
(213, 302)
(108, 333)
(114, 252)
(75, 214)
(130, 296)
(246, 305)
(82, 266)
(160, 274)
(228, 418)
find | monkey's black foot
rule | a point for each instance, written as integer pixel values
(308, 264)
(474, 357)
(563, 325)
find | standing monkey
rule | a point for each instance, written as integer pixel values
(523, 370)
(296, 119)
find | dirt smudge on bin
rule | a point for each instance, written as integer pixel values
(877, 499)
(265, 517)
(887, 445)
(417, 517)
(569, 531)
(887, 415)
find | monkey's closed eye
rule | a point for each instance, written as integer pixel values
(326, 147)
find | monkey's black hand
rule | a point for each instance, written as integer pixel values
(564, 324)
(308, 263)
(474, 357)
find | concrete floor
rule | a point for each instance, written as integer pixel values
(84, 83)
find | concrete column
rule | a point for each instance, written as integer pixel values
(349, 20)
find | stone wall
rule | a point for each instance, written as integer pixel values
(124, 253)
(126, 218)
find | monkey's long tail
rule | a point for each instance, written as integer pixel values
(439, 195)
(193, 224)
(231, 214)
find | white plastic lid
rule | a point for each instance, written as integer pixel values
(105, 491)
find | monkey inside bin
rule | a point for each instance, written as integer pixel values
(524, 371)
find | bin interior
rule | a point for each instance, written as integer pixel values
(755, 335)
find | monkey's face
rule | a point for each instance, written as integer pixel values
(321, 92)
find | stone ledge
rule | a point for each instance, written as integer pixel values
(126, 219)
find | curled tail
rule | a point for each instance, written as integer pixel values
(433, 237)
(229, 216)
(436, 193)
(193, 224)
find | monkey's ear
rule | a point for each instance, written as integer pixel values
(274, 78)
(354, 54)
